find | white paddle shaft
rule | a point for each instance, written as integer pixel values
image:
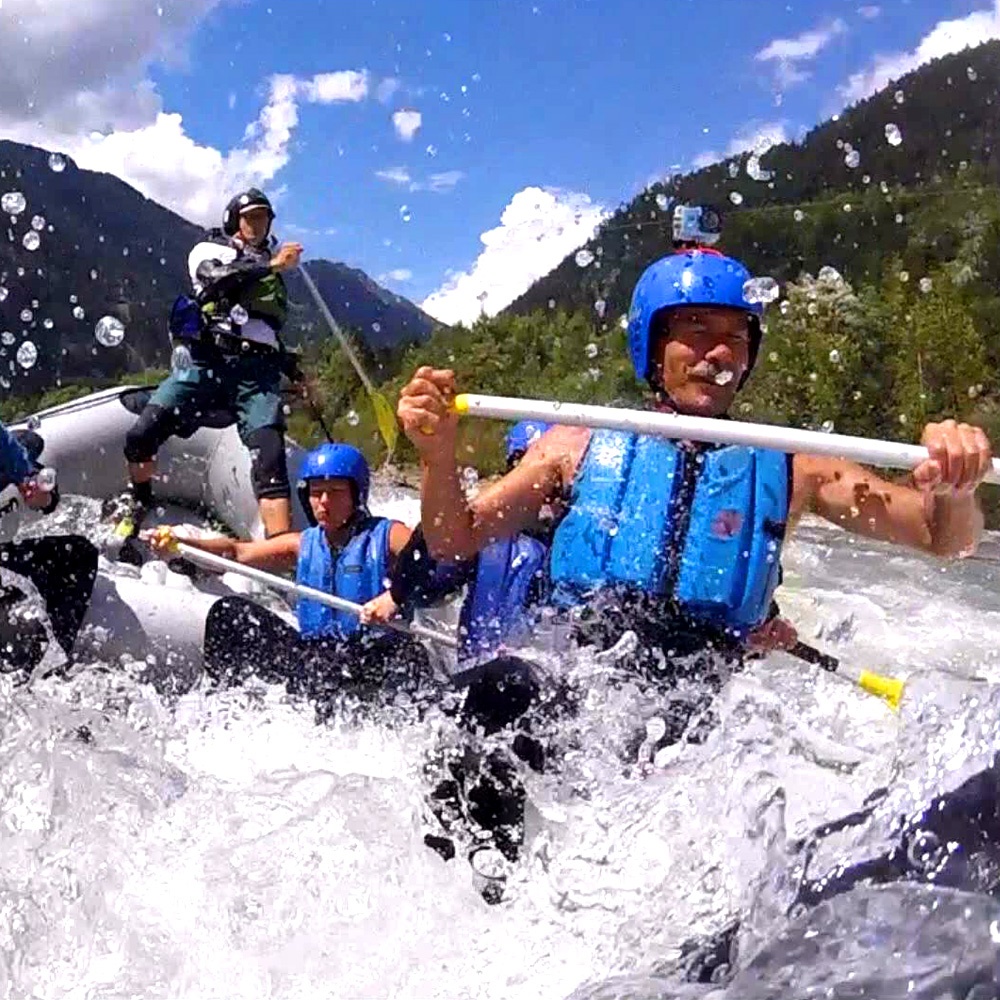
(887, 454)
(223, 565)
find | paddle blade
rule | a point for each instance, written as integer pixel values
(890, 689)
(385, 417)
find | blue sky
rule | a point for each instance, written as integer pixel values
(521, 119)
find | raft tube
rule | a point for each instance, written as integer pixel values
(154, 614)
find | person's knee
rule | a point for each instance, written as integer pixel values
(147, 434)
(269, 466)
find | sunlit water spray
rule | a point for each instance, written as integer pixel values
(224, 845)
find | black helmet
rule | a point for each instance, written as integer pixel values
(251, 198)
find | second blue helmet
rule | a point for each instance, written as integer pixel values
(694, 278)
(335, 461)
(521, 436)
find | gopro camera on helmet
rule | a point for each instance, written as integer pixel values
(696, 225)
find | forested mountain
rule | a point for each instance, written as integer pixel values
(82, 245)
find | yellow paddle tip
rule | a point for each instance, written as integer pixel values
(461, 403)
(889, 689)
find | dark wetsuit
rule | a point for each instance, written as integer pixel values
(62, 568)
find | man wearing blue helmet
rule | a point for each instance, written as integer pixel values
(676, 542)
(691, 534)
(346, 551)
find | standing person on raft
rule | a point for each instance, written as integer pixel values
(232, 331)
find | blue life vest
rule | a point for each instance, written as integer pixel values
(494, 607)
(359, 574)
(704, 531)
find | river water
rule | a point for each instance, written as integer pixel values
(224, 846)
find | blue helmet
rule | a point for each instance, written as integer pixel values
(334, 461)
(521, 436)
(694, 278)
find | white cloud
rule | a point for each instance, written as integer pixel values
(788, 53)
(943, 39)
(439, 183)
(395, 175)
(116, 121)
(756, 137)
(398, 274)
(869, 12)
(406, 122)
(342, 86)
(538, 228)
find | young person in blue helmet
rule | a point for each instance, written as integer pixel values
(62, 568)
(347, 552)
(680, 543)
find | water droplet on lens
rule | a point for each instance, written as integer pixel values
(827, 427)
(971, 74)
(662, 201)
(4, 292)
(180, 359)
(31, 240)
(38, 222)
(27, 354)
(78, 312)
(926, 284)
(904, 275)
(760, 290)
(404, 213)
(830, 275)
(892, 134)
(238, 314)
(7, 338)
(48, 324)
(600, 307)
(798, 215)
(93, 274)
(835, 356)
(773, 356)
(853, 158)
(724, 377)
(584, 258)
(26, 315)
(13, 203)
(57, 162)
(591, 350)
(33, 422)
(352, 418)
(736, 198)
(46, 479)
(899, 96)
(109, 331)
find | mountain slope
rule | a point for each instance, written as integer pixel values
(945, 114)
(110, 251)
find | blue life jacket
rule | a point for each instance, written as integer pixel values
(702, 530)
(494, 608)
(359, 574)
